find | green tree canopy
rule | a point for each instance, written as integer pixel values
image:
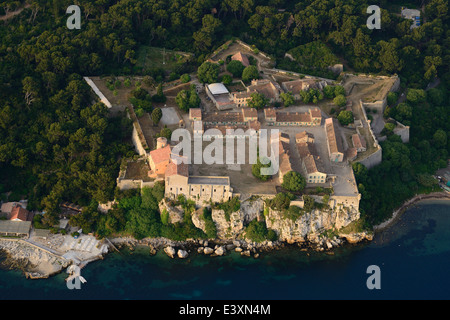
(340, 100)
(236, 68)
(208, 72)
(287, 98)
(250, 73)
(345, 117)
(293, 181)
(156, 115)
(257, 101)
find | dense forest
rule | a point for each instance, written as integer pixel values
(56, 145)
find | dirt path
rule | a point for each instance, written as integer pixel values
(13, 13)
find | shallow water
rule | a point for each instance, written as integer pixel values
(413, 256)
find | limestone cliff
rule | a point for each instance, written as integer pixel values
(312, 226)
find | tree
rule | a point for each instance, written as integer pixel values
(227, 79)
(328, 91)
(340, 100)
(208, 72)
(236, 68)
(166, 133)
(257, 101)
(156, 115)
(257, 231)
(345, 117)
(256, 170)
(159, 96)
(392, 98)
(308, 203)
(436, 96)
(416, 96)
(403, 111)
(250, 73)
(440, 138)
(339, 90)
(185, 78)
(293, 181)
(389, 128)
(281, 201)
(31, 90)
(187, 99)
(287, 98)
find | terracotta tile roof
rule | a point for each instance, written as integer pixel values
(255, 125)
(249, 112)
(195, 113)
(265, 87)
(351, 153)
(296, 86)
(8, 206)
(315, 112)
(285, 164)
(304, 136)
(223, 117)
(161, 155)
(270, 113)
(334, 143)
(19, 213)
(293, 117)
(305, 149)
(177, 169)
(358, 141)
(242, 58)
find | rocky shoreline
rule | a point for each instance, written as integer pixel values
(35, 263)
(247, 248)
(397, 213)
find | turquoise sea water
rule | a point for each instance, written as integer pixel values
(413, 256)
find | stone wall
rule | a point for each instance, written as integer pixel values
(137, 141)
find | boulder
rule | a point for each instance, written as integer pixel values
(208, 250)
(238, 249)
(182, 254)
(245, 253)
(152, 250)
(220, 251)
(170, 251)
(230, 247)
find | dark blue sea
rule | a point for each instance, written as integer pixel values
(413, 256)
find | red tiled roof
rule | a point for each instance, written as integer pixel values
(160, 155)
(334, 142)
(195, 113)
(19, 213)
(304, 135)
(270, 113)
(315, 113)
(177, 169)
(293, 117)
(255, 125)
(242, 58)
(249, 112)
(358, 141)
